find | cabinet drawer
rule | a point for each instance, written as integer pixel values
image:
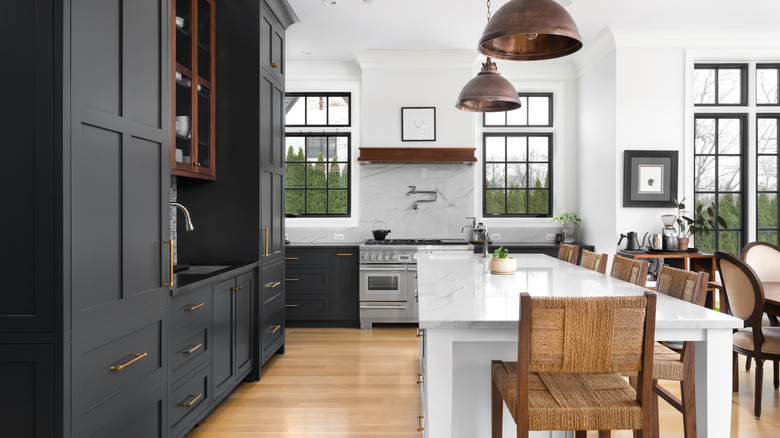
(188, 401)
(188, 353)
(306, 258)
(302, 307)
(144, 418)
(272, 328)
(191, 309)
(273, 284)
(307, 280)
(105, 369)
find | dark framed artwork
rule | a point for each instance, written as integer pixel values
(418, 124)
(649, 178)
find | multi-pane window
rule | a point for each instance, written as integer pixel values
(317, 180)
(719, 179)
(766, 178)
(767, 79)
(518, 174)
(536, 110)
(720, 84)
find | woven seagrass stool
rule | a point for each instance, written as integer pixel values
(568, 253)
(594, 261)
(570, 353)
(630, 270)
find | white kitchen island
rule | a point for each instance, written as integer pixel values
(469, 317)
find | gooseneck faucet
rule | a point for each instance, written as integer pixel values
(188, 224)
(485, 243)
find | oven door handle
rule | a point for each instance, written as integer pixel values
(384, 306)
(384, 268)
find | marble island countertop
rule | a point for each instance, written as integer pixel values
(458, 291)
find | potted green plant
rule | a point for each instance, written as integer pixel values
(702, 220)
(501, 263)
(569, 224)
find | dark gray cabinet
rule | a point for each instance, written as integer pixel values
(232, 346)
(272, 168)
(272, 297)
(27, 379)
(272, 48)
(322, 286)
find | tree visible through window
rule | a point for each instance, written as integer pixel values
(766, 179)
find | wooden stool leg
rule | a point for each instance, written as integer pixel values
(496, 407)
(759, 384)
(777, 374)
(654, 408)
(688, 391)
(605, 433)
(581, 434)
(734, 377)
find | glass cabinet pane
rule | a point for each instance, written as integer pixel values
(204, 40)
(204, 127)
(183, 33)
(183, 121)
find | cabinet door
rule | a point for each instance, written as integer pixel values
(345, 284)
(271, 170)
(28, 187)
(245, 291)
(118, 211)
(223, 336)
(272, 44)
(27, 379)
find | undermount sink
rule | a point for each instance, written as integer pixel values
(202, 269)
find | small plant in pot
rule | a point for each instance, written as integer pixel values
(702, 220)
(501, 263)
(569, 224)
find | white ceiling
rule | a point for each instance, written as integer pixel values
(330, 32)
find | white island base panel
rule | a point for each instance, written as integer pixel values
(469, 317)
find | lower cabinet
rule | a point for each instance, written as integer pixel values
(27, 379)
(232, 350)
(272, 323)
(322, 286)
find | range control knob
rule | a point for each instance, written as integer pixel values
(386, 257)
(365, 257)
(371, 257)
(394, 257)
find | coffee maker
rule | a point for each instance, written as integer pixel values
(669, 232)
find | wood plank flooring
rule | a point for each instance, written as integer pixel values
(352, 383)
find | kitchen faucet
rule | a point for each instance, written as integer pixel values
(188, 224)
(485, 243)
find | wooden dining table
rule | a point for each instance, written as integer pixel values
(771, 297)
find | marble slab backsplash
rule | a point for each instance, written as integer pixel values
(383, 197)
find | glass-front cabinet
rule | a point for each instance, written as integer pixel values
(192, 139)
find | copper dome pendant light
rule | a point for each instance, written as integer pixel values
(530, 30)
(488, 91)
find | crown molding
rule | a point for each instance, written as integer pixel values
(322, 72)
(414, 59)
(698, 36)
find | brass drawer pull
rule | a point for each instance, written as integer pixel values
(195, 347)
(237, 288)
(265, 230)
(344, 255)
(291, 279)
(137, 357)
(194, 306)
(419, 378)
(291, 258)
(170, 262)
(273, 285)
(292, 305)
(420, 427)
(274, 65)
(275, 329)
(193, 401)
(420, 333)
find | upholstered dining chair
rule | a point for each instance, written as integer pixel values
(568, 253)
(745, 298)
(764, 258)
(569, 360)
(678, 365)
(594, 261)
(630, 270)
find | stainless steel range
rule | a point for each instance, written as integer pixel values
(388, 277)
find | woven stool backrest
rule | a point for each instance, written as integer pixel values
(568, 253)
(632, 271)
(684, 285)
(592, 260)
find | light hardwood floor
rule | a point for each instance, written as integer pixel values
(352, 383)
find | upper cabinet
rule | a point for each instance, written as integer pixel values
(193, 42)
(272, 44)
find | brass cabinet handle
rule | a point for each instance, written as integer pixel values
(291, 279)
(420, 333)
(194, 306)
(196, 164)
(266, 241)
(420, 427)
(291, 258)
(137, 357)
(275, 329)
(419, 378)
(195, 347)
(344, 255)
(274, 65)
(237, 288)
(193, 401)
(273, 285)
(292, 305)
(170, 260)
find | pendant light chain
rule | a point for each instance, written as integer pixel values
(488, 11)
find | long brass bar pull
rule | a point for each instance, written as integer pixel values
(193, 349)
(291, 258)
(420, 425)
(273, 285)
(193, 401)
(343, 255)
(292, 305)
(170, 264)
(194, 306)
(266, 241)
(291, 279)
(137, 357)
(275, 329)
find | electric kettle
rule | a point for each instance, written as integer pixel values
(632, 242)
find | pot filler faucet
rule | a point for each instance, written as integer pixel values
(416, 204)
(188, 224)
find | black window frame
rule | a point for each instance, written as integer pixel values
(550, 113)
(327, 189)
(742, 229)
(327, 118)
(776, 192)
(550, 172)
(773, 66)
(743, 84)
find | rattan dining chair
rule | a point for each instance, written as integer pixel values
(568, 253)
(630, 270)
(570, 353)
(745, 298)
(764, 258)
(594, 261)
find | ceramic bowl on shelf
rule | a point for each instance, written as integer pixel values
(183, 126)
(180, 22)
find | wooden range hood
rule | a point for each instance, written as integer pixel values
(382, 155)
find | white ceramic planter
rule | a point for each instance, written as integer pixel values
(506, 265)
